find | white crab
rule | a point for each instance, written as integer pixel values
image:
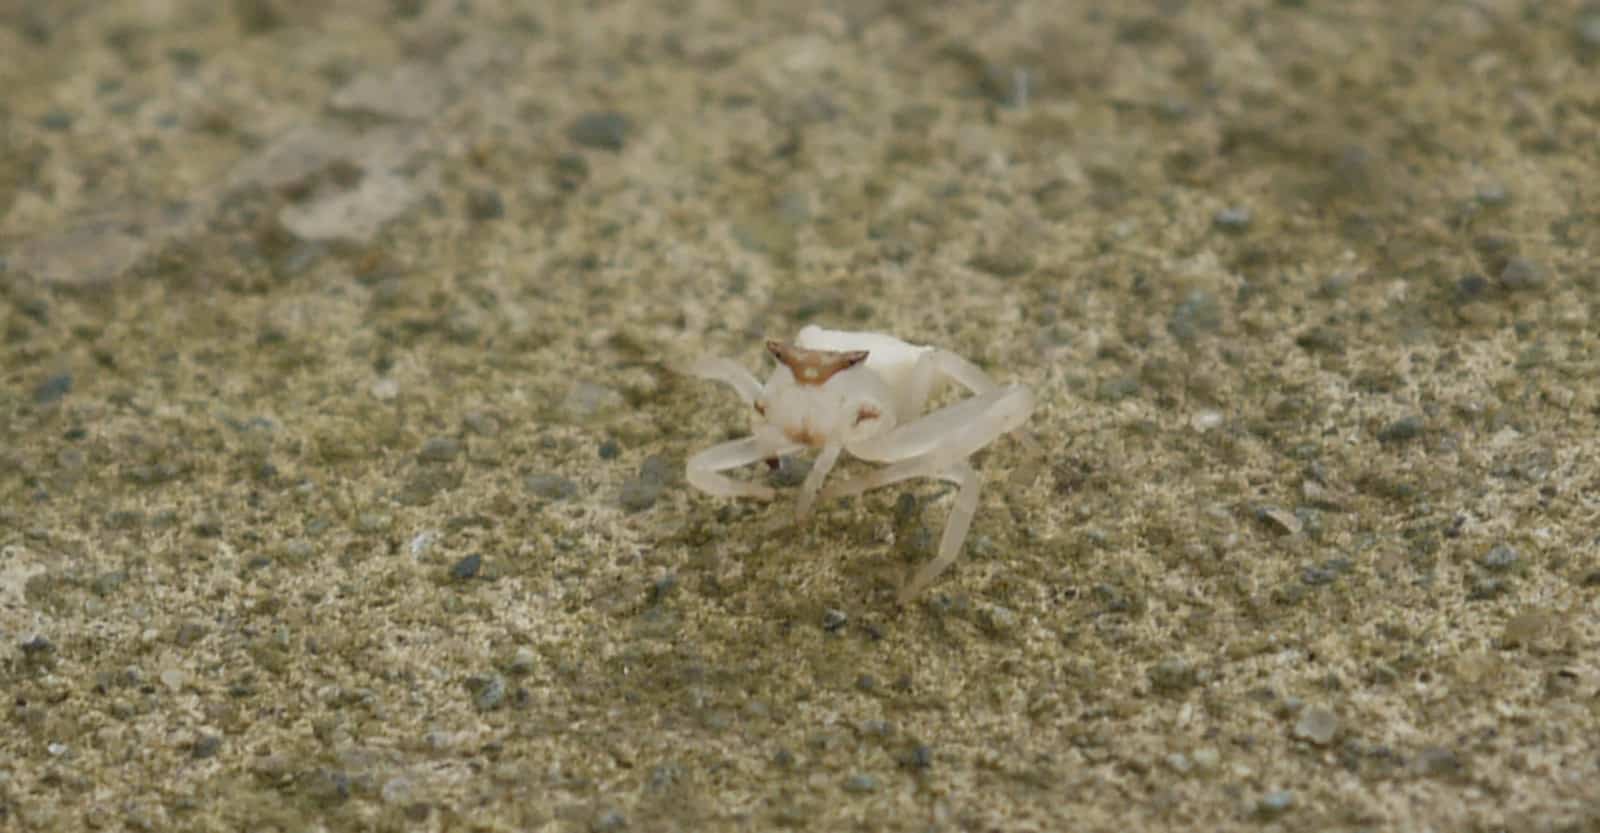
(865, 393)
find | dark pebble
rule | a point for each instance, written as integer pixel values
(639, 494)
(57, 120)
(604, 130)
(491, 693)
(1173, 675)
(1588, 34)
(1275, 804)
(1232, 219)
(207, 746)
(833, 620)
(1437, 761)
(1500, 557)
(609, 450)
(1401, 430)
(485, 204)
(918, 757)
(658, 469)
(861, 784)
(1471, 287)
(608, 822)
(52, 389)
(550, 486)
(38, 646)
(1521, 275)
(466, 568)
(440, 450)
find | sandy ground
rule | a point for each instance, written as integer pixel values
(341, 489)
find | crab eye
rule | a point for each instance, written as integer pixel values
(865, 413)
(761, 407)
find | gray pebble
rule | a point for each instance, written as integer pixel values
(603, 130)
(918, 757)
(467, 568)
(52, 389)
(550, 486)
(1317, 725)
(1275, 804)
(833, 620)
(1493, 194)
(1521, 275)
(1437, 761)
(1401, 430)
(861, 783)
(609, 450)
(1500, 557)
(658, 469)
(608, 822)
(587, 400)
(1117, 388)
(1198, 313)
(481, 423)
(206, 746)
(1232, 219)
(440, 450)
(524, 661)
(639, 494)
(485, 204)
(1173, 675)
(1589, 32)
(491, 693)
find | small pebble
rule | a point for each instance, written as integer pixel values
(609, 450)
(861, 784)
(1173, 675)
(639, 494)
(485, 204)
(1521, 275)
(466, 568)
(550, 486)
(833, 620)
(1492, 193)
(440, 450)
(1500, 557)
(52, 389)
(491, 693)
(587, 399)
(1589, 32)
(1317, 725)
(1232, 219)
(603, 130)
(524, 661)
(1401, 430)
(385, 389)
(481, 423)
(206, 746)
(1275, 804)
(609, 822)
(1437, 761)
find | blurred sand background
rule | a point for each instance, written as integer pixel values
(340, 461)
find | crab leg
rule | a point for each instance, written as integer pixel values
(730, 372)
(703, 468)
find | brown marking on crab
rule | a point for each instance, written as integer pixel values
(814, 367)
(805, 436)
(866, 412)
